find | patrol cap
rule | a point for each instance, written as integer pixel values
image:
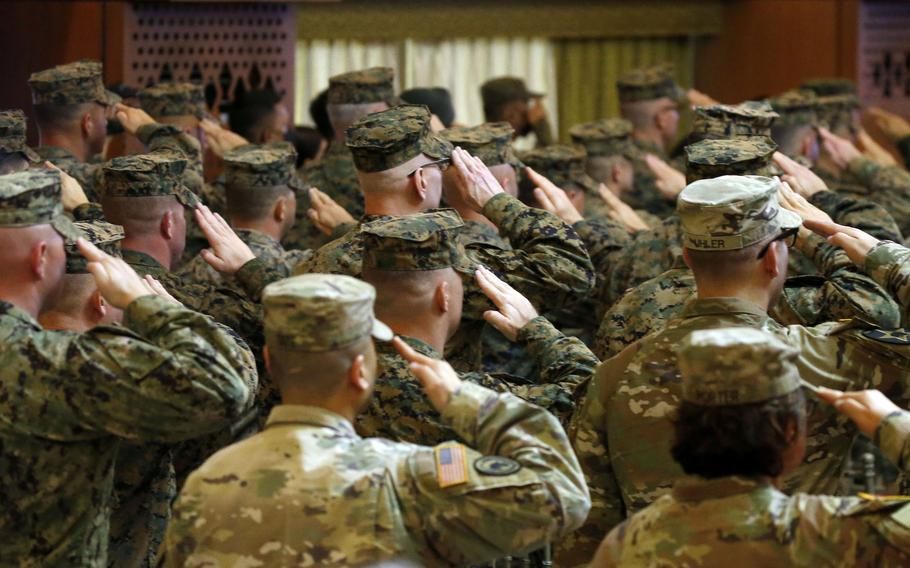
(796, 108)
(649, 84)
(426, 241)
(608, 137)
(751, 118)
(262, 166)
(437, 99)
(491, 142)
(502, 90)
(736, 156)
(103, 235)
(12, 135)
(731, 213)
(173, 99)
(147, 175)
(313, 313)
(383, 140)
(33, 197)
(736, 365)
(836, 110)
(826, 86)
(74, 83)
(373, 85)
(563, 164)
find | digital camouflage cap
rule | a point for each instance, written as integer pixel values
(826, 86)
(501, 90)
(383, 140)
(12, 135)
(836, 111)
(736, 156)
(320, 312)
(173, 99)
(731, 213)
(373, 85)
(426, 241)
(751, 118)
(261, 166)
(103, 235)
(607, 137)
(74, 83)
(563, 164)
(796, 108)
(649, 84)
(33, 197)
(491, 142)
(736, 365)
(147, 175)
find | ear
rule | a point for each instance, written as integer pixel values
(87, 125)
(615, 173)
(441, 297)
(806, 148)
(420, 184)
(167, 225)
(771, 260)
(280, 211)
(98, 305)
(265, 357)
(356, 377)
(39, 260)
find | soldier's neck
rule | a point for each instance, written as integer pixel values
(266, 227)
(389, 205)
(651, 136)
(61, 320)
(758, 296)
(422, 328)
(155, 248)
(73, 144)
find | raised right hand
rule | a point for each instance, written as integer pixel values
(438, 379)
(116, 280)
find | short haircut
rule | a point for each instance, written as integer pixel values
(601, 167)
(641, 113)
(320, 115)
(59, 117)
(724, 265)
(317, 376)
(250, 114)
(402, 292)
(74, 293)
(254, 203)
(306, 141)
(138, 215)
(789, 137)
(344, 116)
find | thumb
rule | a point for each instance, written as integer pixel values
(848, 406)
(497, 320)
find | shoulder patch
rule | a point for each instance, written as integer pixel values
(496, 465)
(451, 465)
(892, 336)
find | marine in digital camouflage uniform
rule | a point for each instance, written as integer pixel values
(622, 432)
(497, 93)
(167, 374)
(309, 491)
(743, 519)
(12, 139)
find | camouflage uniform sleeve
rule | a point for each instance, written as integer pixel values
(889, 184)
(889, 265)
(537, 495)
(604, 239)
(89, 211)
(256, 274)
(893, 437)
(870, 217)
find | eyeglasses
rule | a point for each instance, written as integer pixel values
(442, 164)
(787, 235)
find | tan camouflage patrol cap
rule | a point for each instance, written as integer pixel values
(426, 241)
(173, 99)
(103, 235)
(74, 83)
(731, 213)
(735, 156)
(383, 140)
(736, 365)
(491, 142)
(563, 164)
(607, 137)
(33, 197)
(796, 108)
(649, 84)
(147, 175)
(320, 312)
(12, 135)
(751, 118)
(373, 85)
(262, 166)
(826, 86)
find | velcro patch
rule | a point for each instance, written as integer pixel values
(890, 336)
(496, 465)
(451, 465)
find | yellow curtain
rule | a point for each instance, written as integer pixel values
(587, 69)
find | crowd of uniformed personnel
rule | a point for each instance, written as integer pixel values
(423, 347)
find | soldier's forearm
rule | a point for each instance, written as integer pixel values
(865, 215)
(889, 264)
(893, 438)
(561, 359)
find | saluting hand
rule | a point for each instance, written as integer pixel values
(856, 243)
(228, 253)
(865, 408)
(132, 118)
(325, 212)
(515, 311)
(841, 150)
(71, 192)
(801, 179)
(620, 211)
(438, 379)
(116, 280)
(474, 180)
(669, 181)
(553, 199)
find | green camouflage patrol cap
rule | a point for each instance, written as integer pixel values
(173, 99)
(383, 140)
(735, 156)
(826, 86)
(70, 84)
(649, 84)
(736, 365)
(12, 135)
(33, 197)
(751, 118)
(731, 213)
(796, 108)
(491, 142)
(313, 313)
(502, 90)
(426, 241)
(608, 137)
(103, 235)
(373, 85)
(147, 175)
(836, 110)
(563, 164)
(262, 165)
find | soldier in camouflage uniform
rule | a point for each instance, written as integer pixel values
(741, 426)
(351, 96)
(311, 492)
(15, 155)
(508, 99)
(167, 374)
(735, 237)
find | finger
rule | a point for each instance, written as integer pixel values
(497, 320)
(503, 286)
(828, 395)
(409, 354)
(824, 228)
(489, 288)
(850, 407)
(842, 240)
(98, 271)
(544, 199)
(212, 259)
(90, 251)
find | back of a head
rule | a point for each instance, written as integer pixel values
(258, 175)
(356, 94)
(642, 91)
(250, 115)
(607, 142)
(63, 94)
(307, 143)
(798, 116)
(320, 115)
(171, 101)
(501, 91)
(437, 99)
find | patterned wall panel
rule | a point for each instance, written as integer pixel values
(230, 48)
(884, 55)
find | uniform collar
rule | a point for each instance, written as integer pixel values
(252, 236)
(136, 258)
(419, 345)
(55, 153)
(692, 488)
(10, 310)
(697, 307)
(337, 148)
(299, 414)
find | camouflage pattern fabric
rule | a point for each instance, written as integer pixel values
(751, 118)
(893, 438)
(649, 84)
(644, 194)
(32, 197)
(384, 140)
(378, 499)
(563, 164)
(835, 112)
(13, 133)
(74, 83)
(491, 142)
(419, 242)
(739, 156)
(889, 265)
(795, 108)
(482, 233)
(103, 235)
(607, 137)
(261, 166)
(373, 85)
(501, 90)
(887, 186)
(148, 175)
(173, 99)
(825, 86)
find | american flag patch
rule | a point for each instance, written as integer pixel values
(451, 465)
